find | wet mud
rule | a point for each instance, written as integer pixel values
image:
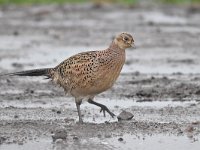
(159, 84)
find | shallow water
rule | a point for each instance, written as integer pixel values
(156, 60)
(124, 142)
(155, 142)
(111, 103)
(162, 18)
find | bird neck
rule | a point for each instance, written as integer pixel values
(115, 48)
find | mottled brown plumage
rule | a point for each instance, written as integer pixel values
(87, 74)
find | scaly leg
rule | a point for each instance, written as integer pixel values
(78, 103)
(103, 108)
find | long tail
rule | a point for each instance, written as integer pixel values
(35, 72)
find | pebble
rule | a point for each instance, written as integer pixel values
(16, 116)
(16, 33)
(58, 112)
(59, 134)
(17, 65)
(107, 135)
(2, 139)
(75, 138)
(124, 115)
(190, 129)
(196, 122)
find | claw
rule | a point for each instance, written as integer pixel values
(112, 115)
(105, 109)
(104, 112)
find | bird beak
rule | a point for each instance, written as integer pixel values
(133, 45)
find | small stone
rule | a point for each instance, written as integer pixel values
(190, 129)
(180, 132)
(2, 139)
(120, 139)
(99, 135)
(16, 33)
(59, 134)
(124, 115)
(58, 112)
(20, 143)
(197, 92)
(16, 116)
(196, 122)
(106, 122)
(136, 73)
(8, 81)
(17, 65)
(28, 90)
(75, 138)
(107, 135)
(31, 91)
(59, 141)
(151, 23)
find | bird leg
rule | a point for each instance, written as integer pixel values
(104, 109)
(79, 112)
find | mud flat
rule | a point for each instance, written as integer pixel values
(159, 84)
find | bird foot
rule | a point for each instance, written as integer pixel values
(104, 109)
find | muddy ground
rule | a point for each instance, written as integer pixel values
(159, 84)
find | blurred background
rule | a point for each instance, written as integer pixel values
(126, 2)
(159, 82)
(42, 33)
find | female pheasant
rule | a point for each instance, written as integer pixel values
(87, 74)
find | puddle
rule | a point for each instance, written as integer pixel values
(162, 60)
(187, 29)
(48, 23)
(47, 144)
(42, 144)
(40, 103)
(154, 142)
(125, 142)
(43, 57)
(172, 60)
(160, 18)
(11, 43)
(11, 91)
(111, 103)
(126, 103)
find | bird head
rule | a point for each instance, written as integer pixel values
(124, 40)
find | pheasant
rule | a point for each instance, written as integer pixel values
(87, 74)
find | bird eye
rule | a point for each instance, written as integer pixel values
(125, 39)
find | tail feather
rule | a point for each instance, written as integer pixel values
(35, 72)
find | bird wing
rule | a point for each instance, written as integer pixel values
(78, 69)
